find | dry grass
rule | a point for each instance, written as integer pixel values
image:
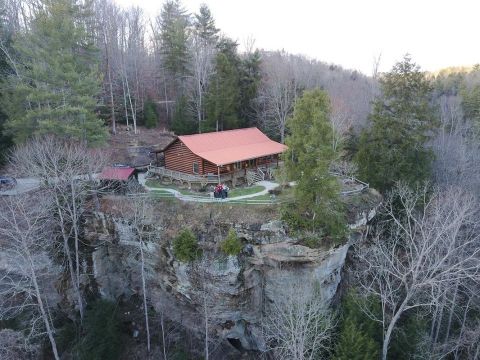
(175, 215)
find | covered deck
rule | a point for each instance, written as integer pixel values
(232, 174)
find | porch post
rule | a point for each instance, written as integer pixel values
(218, 172)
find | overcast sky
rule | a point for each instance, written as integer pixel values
(351, 33)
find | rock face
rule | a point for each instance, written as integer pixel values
(231, 290)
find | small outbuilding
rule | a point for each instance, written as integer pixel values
(112, 173)
(117, 177)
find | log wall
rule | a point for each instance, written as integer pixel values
(178, 157)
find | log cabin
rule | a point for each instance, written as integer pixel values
(228, 156)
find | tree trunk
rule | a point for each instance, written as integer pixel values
(125, 100)
(109, 73)
(134, 116)
(42, 308)
(391, 326)
(144, 289)
(163, 336)
(75, 222)
(199, 107)
(205, 310)
(66, 248)
(452, 310)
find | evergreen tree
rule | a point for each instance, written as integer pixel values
(102, 333)
(223, 95)
(185, 246)
(5, 70)
(58, 81)
(249, 82)
(204, 25)
(231, 245)
(182, 122)
(393, 148)
(405, 341)
(174, 23)
(359, 336)
(353, 344)
(307, 161)
(150, 116)
(471, 104)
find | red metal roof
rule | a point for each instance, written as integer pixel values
(227, 147)
(116, 173)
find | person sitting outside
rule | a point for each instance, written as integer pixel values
(225, 191)
(218, 191)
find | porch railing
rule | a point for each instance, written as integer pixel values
(233, 176)
(201, 179)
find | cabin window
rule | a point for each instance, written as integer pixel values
(251, 163)
(238, 165)
(195, 167)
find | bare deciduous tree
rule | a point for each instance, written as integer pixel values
(13, 346)
(202, 67)
(457, 159)
(65, 168)
(341, 122)
(27, 271)
(139, 213)
(429, 243)
(298, 325)
(278, 92)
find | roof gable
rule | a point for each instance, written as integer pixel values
(226, 147)
(116, 173)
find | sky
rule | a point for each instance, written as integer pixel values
(350, 33)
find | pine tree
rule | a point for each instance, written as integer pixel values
(307, 161)
(58, 80)
(150, 116)
(205, 25)
(354, 344)
(5, 71)
(249, 82)
(223, 95)
(402, 122)
(359, 337)
(182, 122)
(231, 245)
(471, 104)
(174, 23)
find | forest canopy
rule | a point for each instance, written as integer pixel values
(76, 75)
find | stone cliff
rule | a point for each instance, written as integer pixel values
(233, 290)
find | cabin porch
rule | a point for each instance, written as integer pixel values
(233, 174)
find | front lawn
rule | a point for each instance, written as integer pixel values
(245, 191)
(156, 184)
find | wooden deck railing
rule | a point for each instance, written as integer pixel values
(200, 179)
(232, 176)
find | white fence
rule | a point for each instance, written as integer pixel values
(205, 199)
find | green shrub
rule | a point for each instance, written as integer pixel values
(102, 336)
(185, 247)
(327, 227)
(231, 245)
(313, 240)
